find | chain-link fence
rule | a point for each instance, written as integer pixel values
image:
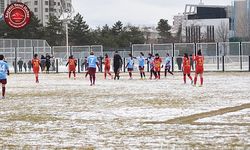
(61, 54)
(4, 43)
(232, 53)
(10, 57)
(163, 49)
(80, 52)
(245, 47)
(179, 50)
(19, 58)
(218, 56)
(138, 48)
(212, 59)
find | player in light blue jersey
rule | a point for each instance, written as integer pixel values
(92, 63)
(141, 60)
(4, 71)
(130, 66)
(168, 64)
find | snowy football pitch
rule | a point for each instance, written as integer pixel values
(126, 114)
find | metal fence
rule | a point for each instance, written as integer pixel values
(138, 48)
(218, 56)
(23, 43)
(226, 56)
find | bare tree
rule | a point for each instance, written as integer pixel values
(222, 32)
(223, 36)
(178, 37)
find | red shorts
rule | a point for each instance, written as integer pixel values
(157, 69)
(187, 70)
(107, 68)
(141, 68)
(130, 69)
(199, 70)
(91, 71)
(3, 81)
(36, 70)
(72, 69)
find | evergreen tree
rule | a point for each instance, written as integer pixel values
(54, 32)
(117, 28)
(108, 38)
(79, 32)
(164, 31)
(3, 29)
(136, 35)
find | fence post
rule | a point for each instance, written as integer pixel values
(195, 48)
(33, 51)
(70, 50)
(249, 63)
(15, 62)
(218, 57)
(124, 64)
(52, 51)
(151, 48)
(223, 63)
(79, 65)
(173, 57)
(241, 59)
(101, 67)
(172, 64)
(57, 66)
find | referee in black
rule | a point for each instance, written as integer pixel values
(117, 64)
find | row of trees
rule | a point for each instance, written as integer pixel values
(116, 36)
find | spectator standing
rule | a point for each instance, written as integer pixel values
(20, 65)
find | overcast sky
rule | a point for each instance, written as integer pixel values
(136, 12)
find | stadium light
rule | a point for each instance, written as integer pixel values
(65, 16)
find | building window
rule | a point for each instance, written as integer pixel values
(54, 3)
(35, 10)
(46, 10)
(46, 2)
(58, 3)
(36, 3)
(47, 16)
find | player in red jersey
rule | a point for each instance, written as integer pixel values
(107, 62)
(72, 66)
(157, 66)
(36, 66)
(199, 59)
(186, 68)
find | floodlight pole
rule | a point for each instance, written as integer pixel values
(67, 39)
(66, 10)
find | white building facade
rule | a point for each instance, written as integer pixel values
(5, 3)
(204, 23)
(177, 23)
